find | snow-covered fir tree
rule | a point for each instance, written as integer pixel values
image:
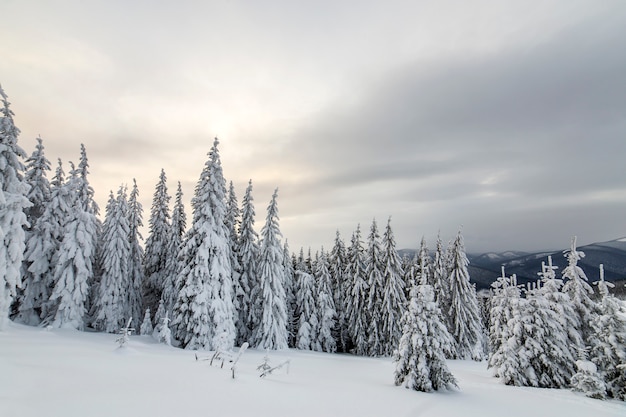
(325, 305)
(135, 264)
(499, 316)
(247, 254)
(587, 380)
(441, 285)
(421, 356)
(337, 267)
(146, 325)
(410, 273)
(375, 294)
(36, 176)
(579, 291)
(290, 294)
(158, 319)
(42, 250)
(74, 266)
(356, 296)
(271, 332)
(34, 291)
(394, 300)
(174, 243)
(465, 324)
(561, 304)
(204, 311)
(306, 306)
(13, 202)
(85, 193)
(165, 334)
(233, 221)
(608, 344)
(111, 307)
(505, 332)
(156, 252)
(424, 265)
(546, 343)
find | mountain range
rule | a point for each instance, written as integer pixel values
(484, 268)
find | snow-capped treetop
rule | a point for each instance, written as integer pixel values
(37, 166)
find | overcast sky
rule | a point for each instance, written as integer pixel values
(505, 117)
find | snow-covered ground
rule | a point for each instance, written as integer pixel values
(69, 373)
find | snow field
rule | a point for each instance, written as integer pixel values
(74, 374)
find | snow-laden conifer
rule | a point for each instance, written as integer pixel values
(562, 305)
(465, 324)
(85, 197)
(146, 325)
(204, 312)
(172, 266)
(165, 335)
(440, 276)
(74, 266)
(247, 254)
(271, 332)
(13, 202)
(307, 309)
(424, 264)
(111, 307)
(325, 305)
(579, 291)
(233, 221)
(135, 264)
(34, 291)
(376, 285)
(337, 268)
(394, 300)
(608, 344)
(587, 380)
(356, 295)
(290, 294)
(546, 342)
(420, 358)
(156, 252)
(42, 250)
(506, 333)
(37, 167)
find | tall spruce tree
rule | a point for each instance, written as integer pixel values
(325, 305)
(357, 294)
(441, 285)
(465, 323)
(156, 252)
(34, 292)
(290, 294)
(247, 254)
(13, 202)
(204, 311)
(73, 268)
(394, 300)
(271, 332)
(111, 306)
(376, 285)
(562, 305)
(608, 344)
(579, 291)
(171, 285)
(135, 267)
(338, 259)
(306, 306)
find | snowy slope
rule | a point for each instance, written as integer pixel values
(73, 374)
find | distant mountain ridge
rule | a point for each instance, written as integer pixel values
(486, 267)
